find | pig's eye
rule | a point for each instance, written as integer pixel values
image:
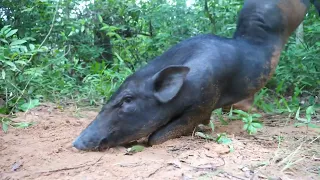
(127, 99)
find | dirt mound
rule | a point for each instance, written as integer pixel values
(44, 151)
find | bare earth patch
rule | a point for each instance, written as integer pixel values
(44, 151)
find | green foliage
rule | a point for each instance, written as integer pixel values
(15, 60)
(83, 50)
(299, 67)
(29, 105)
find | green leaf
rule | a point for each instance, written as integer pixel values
(279, 87)
(3, 40)
(245, 120)
(100, 18)
(11, 64)
(27, 9)
(298, 114)
(22, 124)
(256, 125)
(29, 105)
(17, 42)
(245, 126)
(204, 136)
(224, 140)
(6, 31)
(71, 33)
(32, 47)
(5, 28)
(82, 28)
(4, 110)
(256, 115)
(20, 62)
(240, 112)
(104, 28)
(310, 110)
(299, 118)
(136, 148)
(3, 74)
(12, 32)
(251, 129)
(5, 127)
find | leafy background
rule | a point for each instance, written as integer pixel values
(80, 50)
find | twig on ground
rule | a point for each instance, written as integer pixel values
(154, 172)
(314, 139)
(130, 164)
(236, 177)
(71, 168)
(211, 166)
(288, 161)
(4, 148)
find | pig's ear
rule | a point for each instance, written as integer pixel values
(168, 82)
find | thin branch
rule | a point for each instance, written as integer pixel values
(51, 26)
(70, 168)
(210, 16)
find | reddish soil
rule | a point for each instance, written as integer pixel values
(44, 151)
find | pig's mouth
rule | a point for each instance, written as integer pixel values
(105, 145)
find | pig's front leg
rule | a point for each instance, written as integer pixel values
(183, 125)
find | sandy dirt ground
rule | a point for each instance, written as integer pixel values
(44, 151)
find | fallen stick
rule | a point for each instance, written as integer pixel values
(71, 168)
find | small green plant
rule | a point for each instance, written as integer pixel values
(307, 120)
(219, 114)
(7, 122)
(206, 135)
(221, 138)
(251, 121)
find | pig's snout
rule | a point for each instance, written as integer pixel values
(88, 140)
(78, 143)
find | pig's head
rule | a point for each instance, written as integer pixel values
(139, 107)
